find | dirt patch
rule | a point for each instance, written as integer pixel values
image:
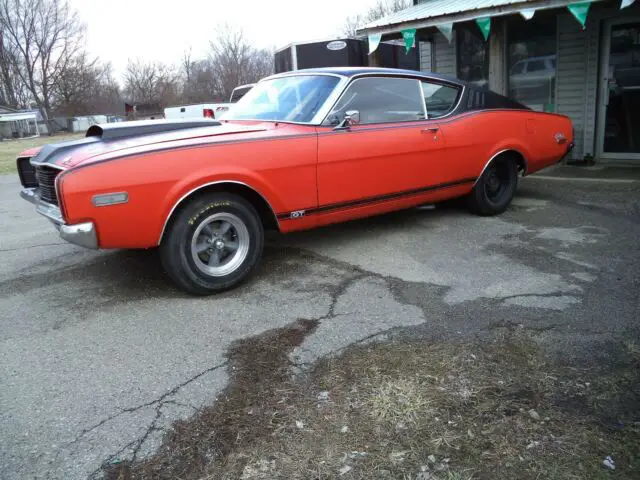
(252, 408)
(410, 411)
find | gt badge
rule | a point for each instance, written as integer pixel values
(297, 214)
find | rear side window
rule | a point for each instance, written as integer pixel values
(439, 99)
(380, 100)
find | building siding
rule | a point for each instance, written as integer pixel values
(425, 50)
(445, 55)
(571, 72)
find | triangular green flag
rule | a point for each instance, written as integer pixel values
(485, 26)
(374, 41)
(626, 3)
(409, 36)
(580, 11)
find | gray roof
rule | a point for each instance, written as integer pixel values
(434, 12)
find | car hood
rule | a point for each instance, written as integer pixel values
(104, 142)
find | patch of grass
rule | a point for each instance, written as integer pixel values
(416, 411)
(9, 149)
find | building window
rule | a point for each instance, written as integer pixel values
(532, 61)
(472, 55)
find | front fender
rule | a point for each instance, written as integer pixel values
(156, 182)
(197, 180)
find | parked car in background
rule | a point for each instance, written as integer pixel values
(240, 92)
(299, 150)
(199, 110)
(207, 110)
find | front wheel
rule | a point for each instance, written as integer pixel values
(495, 188)
(212, 244)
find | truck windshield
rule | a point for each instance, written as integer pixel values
(290, 99)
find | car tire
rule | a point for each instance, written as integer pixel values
(212, 244)
(494, 190)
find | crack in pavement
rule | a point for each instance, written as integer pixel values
(31, 246)
(353, 275)
(538, 295)
(511, 325)
(158, 403)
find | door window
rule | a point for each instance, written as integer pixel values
(439, 99)
(380, 100)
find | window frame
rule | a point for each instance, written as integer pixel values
(325, 122)
(458, 88)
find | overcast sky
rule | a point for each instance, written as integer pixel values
(120, 29)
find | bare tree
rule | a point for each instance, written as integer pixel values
(380, 9)
(235, 61)
(87, 87)
(199, 83)
(187, 66)
(45, 36)
(12, 91)
(150, 82)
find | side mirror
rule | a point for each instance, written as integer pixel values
(351, 117)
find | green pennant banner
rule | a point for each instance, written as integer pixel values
(626, 3)
(374, 41)
(580, 11)
(409, 36)
(485, 26)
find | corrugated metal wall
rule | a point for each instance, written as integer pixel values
(571, 72)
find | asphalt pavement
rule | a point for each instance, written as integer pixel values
(99, 353)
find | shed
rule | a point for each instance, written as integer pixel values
(19, 125)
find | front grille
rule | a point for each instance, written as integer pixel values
(46, 177)
(27, 173)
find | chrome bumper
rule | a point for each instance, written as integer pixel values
(83, 234)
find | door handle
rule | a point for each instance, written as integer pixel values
(430, 130)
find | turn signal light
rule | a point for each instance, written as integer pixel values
(208, 113)
(110, 199)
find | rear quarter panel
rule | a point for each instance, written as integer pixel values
(473, 138)
(282, 170)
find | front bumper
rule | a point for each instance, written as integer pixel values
(83, 234)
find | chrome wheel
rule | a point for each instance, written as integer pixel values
(220, 244)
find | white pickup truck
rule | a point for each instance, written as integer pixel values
(207, 110)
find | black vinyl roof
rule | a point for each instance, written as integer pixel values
(354, 71)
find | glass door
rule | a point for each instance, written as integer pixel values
(620, 99)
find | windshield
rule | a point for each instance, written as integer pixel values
(291, 99)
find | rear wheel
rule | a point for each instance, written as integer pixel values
(212, 244)
(495, 189)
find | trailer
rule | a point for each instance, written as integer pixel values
(343, 52)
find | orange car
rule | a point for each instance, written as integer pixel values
(300, 150)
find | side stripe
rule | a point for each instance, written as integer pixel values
(372, 200)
